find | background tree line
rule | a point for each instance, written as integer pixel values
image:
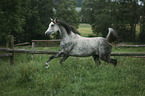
(28, 19)
(122, 15)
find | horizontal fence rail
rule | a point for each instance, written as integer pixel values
(55, 52)
(27, 51)
(127, 54)
(5, 55)
(130, 46)
(12, 51)
(23, 44)
(46, 43)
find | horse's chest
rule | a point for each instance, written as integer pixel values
(66, 46)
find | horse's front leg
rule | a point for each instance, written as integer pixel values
(68, 48)
(54, 56)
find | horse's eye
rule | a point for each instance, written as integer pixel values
(52, 25)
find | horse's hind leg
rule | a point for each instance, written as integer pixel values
(106, 58)
(113, 61)
(96, 59)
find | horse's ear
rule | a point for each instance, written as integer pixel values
(51, 19)
(55, 20)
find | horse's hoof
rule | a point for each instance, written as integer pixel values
(46, 64)
(47, 67)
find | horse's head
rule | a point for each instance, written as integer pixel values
(53, 27)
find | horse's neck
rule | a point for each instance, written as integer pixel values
(67, 38)
(63, 32)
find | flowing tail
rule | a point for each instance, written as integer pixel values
(112, 36)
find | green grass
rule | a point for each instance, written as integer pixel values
(137, 31)
(76, 76)
(85, 29)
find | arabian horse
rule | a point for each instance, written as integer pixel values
(72, 44)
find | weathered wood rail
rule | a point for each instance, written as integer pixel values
(23, 44)
(55, 52)
(26, 51)
(130, 46)
(5, 55)
(127, 54)
(46, 43)
(12, 51)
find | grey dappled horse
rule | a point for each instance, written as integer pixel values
(72, 44)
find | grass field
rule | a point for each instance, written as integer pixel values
(85, 29)
(75, 77)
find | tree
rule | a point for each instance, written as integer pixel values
(37, 15)
(122, 15)
(66, 11)
(28, 19)
(97, 13)
(11, 20)
(142, 21)
(126, 18)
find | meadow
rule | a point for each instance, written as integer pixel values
(75, 77)
(85, 29)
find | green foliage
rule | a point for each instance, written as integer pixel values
(11, 20)
(126, 19)
(66, 11)
(24, 19)
(142, 27)
(97, 14)
(122, 15)
(37, 15)
(29, 19)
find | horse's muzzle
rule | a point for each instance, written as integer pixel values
(47, 33)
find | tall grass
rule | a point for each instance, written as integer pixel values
(75, 77)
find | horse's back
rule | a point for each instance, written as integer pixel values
(87, 46)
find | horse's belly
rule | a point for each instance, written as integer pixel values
(83, 52)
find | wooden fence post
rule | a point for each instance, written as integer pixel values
(12, 47)
(33, 46)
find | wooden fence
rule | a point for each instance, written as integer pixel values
(5, 55)
(9, 43)
(130, 46)
(46, 43)
(12, 51)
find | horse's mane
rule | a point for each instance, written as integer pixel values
(68, 27)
